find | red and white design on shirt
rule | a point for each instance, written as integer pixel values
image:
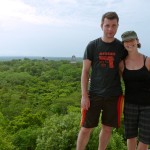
(107, 59)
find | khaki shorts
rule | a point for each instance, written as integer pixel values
(110, 110)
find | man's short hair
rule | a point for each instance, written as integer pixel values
(110, 15)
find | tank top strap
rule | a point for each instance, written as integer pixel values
(144, 59)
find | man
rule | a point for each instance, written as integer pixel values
(101, 59)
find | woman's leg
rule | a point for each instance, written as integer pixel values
(142, 146)
(132, 143)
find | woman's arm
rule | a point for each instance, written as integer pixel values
(121, 68)
(148, 63)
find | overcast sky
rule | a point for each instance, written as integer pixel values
(62, 28)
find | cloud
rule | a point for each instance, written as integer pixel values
(51, 12)
(63, 1)
(60, 12)
(13, 12)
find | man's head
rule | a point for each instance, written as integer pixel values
(110, 15)
(109, 25)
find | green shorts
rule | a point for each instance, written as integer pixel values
(110, 110)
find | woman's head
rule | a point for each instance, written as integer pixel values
(130, 36)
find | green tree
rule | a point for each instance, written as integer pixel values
(5, 140)
(25, 139)
(60, 131)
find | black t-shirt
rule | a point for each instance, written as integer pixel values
(105, 57)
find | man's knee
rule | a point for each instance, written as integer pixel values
(85, 131)
(106, 129)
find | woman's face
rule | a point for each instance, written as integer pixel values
(131, 45)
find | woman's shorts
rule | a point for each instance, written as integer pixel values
(110, 110)
(137, 122)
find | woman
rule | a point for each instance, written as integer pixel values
(135, 71)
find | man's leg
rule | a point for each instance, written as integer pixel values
(132, 143)
(83, 138)
(104, 137)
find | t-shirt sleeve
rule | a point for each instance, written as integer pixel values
(124, 54)
(88, 54)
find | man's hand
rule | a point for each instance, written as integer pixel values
(85, 102)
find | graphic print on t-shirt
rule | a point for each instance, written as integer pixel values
(106, 59)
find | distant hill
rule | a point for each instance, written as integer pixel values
(9, 58)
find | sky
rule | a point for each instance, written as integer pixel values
(62, 28)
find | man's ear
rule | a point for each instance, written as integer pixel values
(101, 25)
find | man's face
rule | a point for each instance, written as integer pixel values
(109, 27)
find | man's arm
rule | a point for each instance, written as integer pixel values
(85, 102)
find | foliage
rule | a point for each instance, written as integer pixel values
(116, 142)
(59, 132)
(40, 106)
(5, 140)
(25, 120)
(25, 139)
(94, 139)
